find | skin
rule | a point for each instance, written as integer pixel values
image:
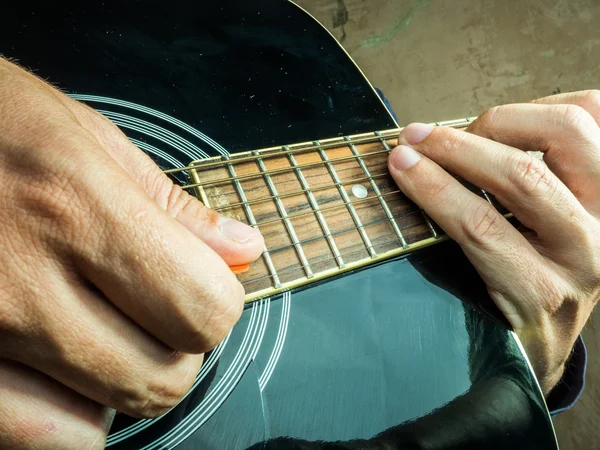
(114, 282)
(544, 276)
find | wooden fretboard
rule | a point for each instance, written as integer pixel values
(323, 207)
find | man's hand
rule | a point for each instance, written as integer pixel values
(545, 277)
(113, 281)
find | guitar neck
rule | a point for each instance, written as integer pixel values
(323, 207)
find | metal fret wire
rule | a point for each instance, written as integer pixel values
(252, 220)
(320, 147)
(315, 206)
(295, 268)
(326, 144)
(378, 192)
(286, 220)
(346, 199)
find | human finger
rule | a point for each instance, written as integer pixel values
(37, 412)
(235, 242)
(145, 262)
(496, 249)
(588, 100)
(520, 182)
(567, 135)
(85, 343)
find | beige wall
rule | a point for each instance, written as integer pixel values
(439, 60)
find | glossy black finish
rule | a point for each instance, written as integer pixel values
(248, 74)
(396, 351)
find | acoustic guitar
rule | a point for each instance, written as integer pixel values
(362, 320)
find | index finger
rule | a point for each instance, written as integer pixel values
(145, 262)
(496, 249)
(588, 100)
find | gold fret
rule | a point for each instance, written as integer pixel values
(314, 269)
(351, 210)
(277, 171)
(319, 215)
(286, 220)
(253, 296)
(363, 138)
(384, 205)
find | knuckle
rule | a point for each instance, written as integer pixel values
(485, 122)
(451, 140)
(219, 314)
(180, 202)
(531, 176)
(53, 198)
(161, 393)
(484, 224)
(591, 101)
(573, 118)
(588, 242)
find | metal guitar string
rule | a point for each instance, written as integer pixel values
(317, 188)
(277, 171)
(259, 312)
(329, 208)
(301, 267)
(278, 152)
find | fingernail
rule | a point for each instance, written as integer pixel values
(236, 231)
(403, 157)
(415, 133)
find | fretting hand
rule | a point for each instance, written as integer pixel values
(113, 281)
(544, 277)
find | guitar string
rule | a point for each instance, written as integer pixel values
(301, 191)
(313, 211)
(378, 136)
(315, 263)
(277, 152)
(278, 171)
(301, 267)
(347, 230)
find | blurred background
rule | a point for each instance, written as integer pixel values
(438, 60)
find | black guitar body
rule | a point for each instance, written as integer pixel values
(413, 346)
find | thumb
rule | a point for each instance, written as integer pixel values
(235, 242)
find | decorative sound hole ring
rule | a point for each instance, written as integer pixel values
(153, 132)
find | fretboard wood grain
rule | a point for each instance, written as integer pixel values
(323, 207)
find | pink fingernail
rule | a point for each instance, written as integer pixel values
(415, 133)
(236, 231)
(403, 157)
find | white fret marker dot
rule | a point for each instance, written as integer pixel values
(359, 191)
